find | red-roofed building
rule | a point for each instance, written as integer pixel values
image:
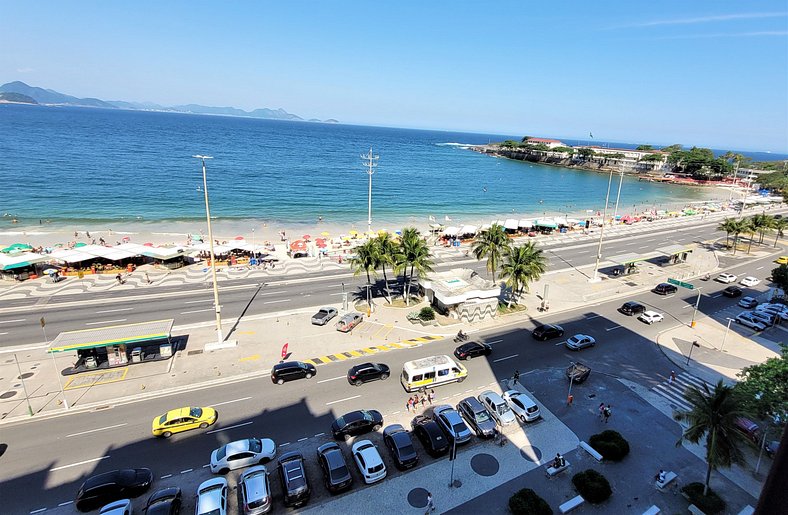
(550, 143)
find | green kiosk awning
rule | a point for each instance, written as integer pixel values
(113, 335)
(672, 250)
(630, 257)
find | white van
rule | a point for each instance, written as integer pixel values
(431, 371)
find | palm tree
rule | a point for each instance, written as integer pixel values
(727, 225)
(738, 227)
(414, 253)
(749, 227)
(779, 225)
(522, 264)
(491, 245)
(387, 254)
(761, 223)
(365, 260)
(712, 418)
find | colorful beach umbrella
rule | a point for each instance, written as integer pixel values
(325, 233)
(306, 237)
(353, 233)
(80, 244)
(240, 238)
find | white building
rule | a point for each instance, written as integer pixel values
(550, 143)
(462, 294)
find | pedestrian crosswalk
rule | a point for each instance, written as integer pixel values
(673, 391)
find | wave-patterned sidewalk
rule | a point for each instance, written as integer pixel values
(674, 391)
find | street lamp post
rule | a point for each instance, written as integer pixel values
(726, 334)
(370, 162)
(695, 310)
(254, 254)
(618, 195)
(602, 231)
(689, 356)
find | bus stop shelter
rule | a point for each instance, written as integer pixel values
(675, 253)
(629, 261)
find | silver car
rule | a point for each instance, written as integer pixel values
(477, 417)
(497, 407)
(745, 318)
(242, 453)
(255, 490)
(522, 405)
(452, 424)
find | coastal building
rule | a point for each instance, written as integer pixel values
(631, 158)
(462, 294)
(550, 143)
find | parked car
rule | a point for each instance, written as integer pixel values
(242, 453)
(292, 475)
(477, 417)
(665, 289)
(397, 440)
(368, 461)
(104, 488)
(166, 501)
(255, 491)
(580, 341)
(766, 318)
(498, 407)
(748, 302)
(349, 321)
(430, 435)
(732, 292)
(367, 372)
(336, 475)
(546, 332)
(778, 310)
(750, 281)
(356, 423)
(632, 308)
(183, 419)
(522, 405)
(650, 317)
(726, 278)
(472, 350)
(577, 372)
(323, 316)
(452, 424)
(122, 507)
(292, 370)
(772, 447)
(212, 497)
(746, 319)
(748, 428)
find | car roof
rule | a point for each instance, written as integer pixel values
(237, 446)
(650, 313)
(106, 478)
(632, 303)
(493, 396)
(254, 478)
(288, 364)
(473, 403)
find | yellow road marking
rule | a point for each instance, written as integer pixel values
(355, 353)
(394, 345)
(253, 357)
(325, 359)
(371, 350)
(340, 357)
(310, 362)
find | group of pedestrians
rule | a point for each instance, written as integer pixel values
(605, 412)
(413, 401)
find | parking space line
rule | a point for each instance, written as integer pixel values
(165, 476)
(343, 400)
(65, 503)
(507, 357)
(494, 341)
(284, 444)
(303, 439)
(228, 427)
(613, 328)
(593, 316)
(332, 379)
(186, 471)
(319, 434)
(38, 511)
(715, 296)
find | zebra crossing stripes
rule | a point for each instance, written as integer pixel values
(674, 392)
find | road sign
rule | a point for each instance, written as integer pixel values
(682, 284)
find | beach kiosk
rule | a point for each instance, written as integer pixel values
(675, 254)
(462, 294)
(629, 261)
(115, 346)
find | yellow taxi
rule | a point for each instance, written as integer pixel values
(782, 260)
(183, 419)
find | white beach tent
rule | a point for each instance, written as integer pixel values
(206, 247)
(525, 224)
(10, 261)
(71, 256)
(468, 230)
(451, 231)
(510, 224)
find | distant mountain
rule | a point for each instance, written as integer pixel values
(48, 96)
(16, 98)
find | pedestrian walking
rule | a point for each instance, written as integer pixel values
(601, 411)
(407, 404)
(672, 377)
(607, 413)
(119, 279)
(516, 377)
(430, 503)
(431, 396)
(570, 399)
(423, 400)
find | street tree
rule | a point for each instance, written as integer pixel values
(522, 264)
(387, 254)
(780, 277)
(779, 225)
(729, 226)
(491, 245)
(763, 388)
(414, 254)
(365, 260)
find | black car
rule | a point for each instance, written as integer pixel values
(632, 308)
(472, 349)
(732, 292)
(105, 488)
(166, 501)
(665, 289)
(398, 441)
(477, 417)
(336, 474)
(356, 423)
(292, 370)
(431, 436)
(295, 485)
(367, 372)
(547, 331)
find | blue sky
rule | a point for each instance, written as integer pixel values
(710, 73)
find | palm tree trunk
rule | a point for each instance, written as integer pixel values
(735, 243)
(776, 237)
(386, 281)
(727, 239)
(711, 444)
(752, 237)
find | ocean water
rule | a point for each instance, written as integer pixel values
(77, 167)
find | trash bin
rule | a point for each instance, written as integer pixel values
(136, 355)
(90, 362)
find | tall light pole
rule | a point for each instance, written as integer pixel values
(618, 195)
(370, 163)
(726, 334)
(219, 337)
(602, 231)
(254, 254)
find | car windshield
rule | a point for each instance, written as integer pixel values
(481, 416)
(503, 409)
(407, 450)
(221, 452)
(195, 412)
(163, 419)
(376, 468)
(255, 445)
(340, 472)
(458, 428)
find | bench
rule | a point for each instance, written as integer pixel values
(590, 450)
(571, 504)
(551, 471)
(695, 510)
(652, 511)
(669, 478)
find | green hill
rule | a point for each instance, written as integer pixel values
(16, 98)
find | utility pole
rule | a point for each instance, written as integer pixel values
(695, 309)
(54, 363)
(370, 161)
(24, 386)
(618, 195)
(602, 231)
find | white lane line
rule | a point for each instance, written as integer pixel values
(65, 503)
(614, 327)
(759, 268)
(593, 316)
(559, 343)
(343, 400)
(165, 476)
(38, 511)
(78, 463)
(446, 398)
(507, 357)
(715, 296)
(206, 465)
(105, 322)
(276, 301)
(9, 322)
(303, 439)
(494, 341)
(396, 412)
(186, 471)
(198, 301)
(340, 293)
(319, 434)
(228, 427)
(332, 379)
(644, 247)
(688, 306)
(114, 310)
(270, 293)
(94, 430)
(2, 334)
(196, 311)
(230, 402)
(283, 444)
(469, 390)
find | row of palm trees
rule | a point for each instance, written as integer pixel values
(756, 224)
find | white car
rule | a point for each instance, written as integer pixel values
(122, 507)
(765, 317)
(497, 407)
(522, 405)
(726, 278)
(368, 461)
(650, 317)
(780, 310)
(242, 453)
(748, 302)
(745, 318)
(749, 281)
(212, 497)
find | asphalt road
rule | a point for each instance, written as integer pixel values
(193, 303)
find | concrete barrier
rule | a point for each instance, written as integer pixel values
(590, 450)
(654, 510)
(571, 504)
(669, 478)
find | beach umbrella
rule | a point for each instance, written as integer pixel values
(240, 238)
(353, 233)
(126, 239)
(147, 244)
(16, 247)
(306, 237)
(51, 271)
(325, 233)
(80, 244)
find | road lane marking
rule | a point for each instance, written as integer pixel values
(614, 327)
(343, 400)
(198, 301)
(715, 296)
(165, 476)
(303, 439)
(230, 402)
(2, 334)
(65, 503)
(494, 341)
(228, 427)
(186, 471)
(332, 379)
(644, 247)
(507, 357)
(283, 444)
(275, 301)
(114, 310)
(104, 322)
(559, 343)
(206, 465)
(38, 511)
(319, 434)
(78, 463)
(759, 268)
(11, 321)
(270, 292)
(94, 430)
(593, 316)
(196, 311)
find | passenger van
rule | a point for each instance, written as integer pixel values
(430, 372)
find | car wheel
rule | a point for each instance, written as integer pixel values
(460, 379)
(203, 425)
(358, 382)
(309, 376)
(166, 434)
(280, 381)
(224, 471)
(383, 377)
(376, 427)
(346, 437)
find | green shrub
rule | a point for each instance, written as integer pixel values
(527, 502)
(708, 504)
(610, 444)
(427, 313)
(592, 486)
